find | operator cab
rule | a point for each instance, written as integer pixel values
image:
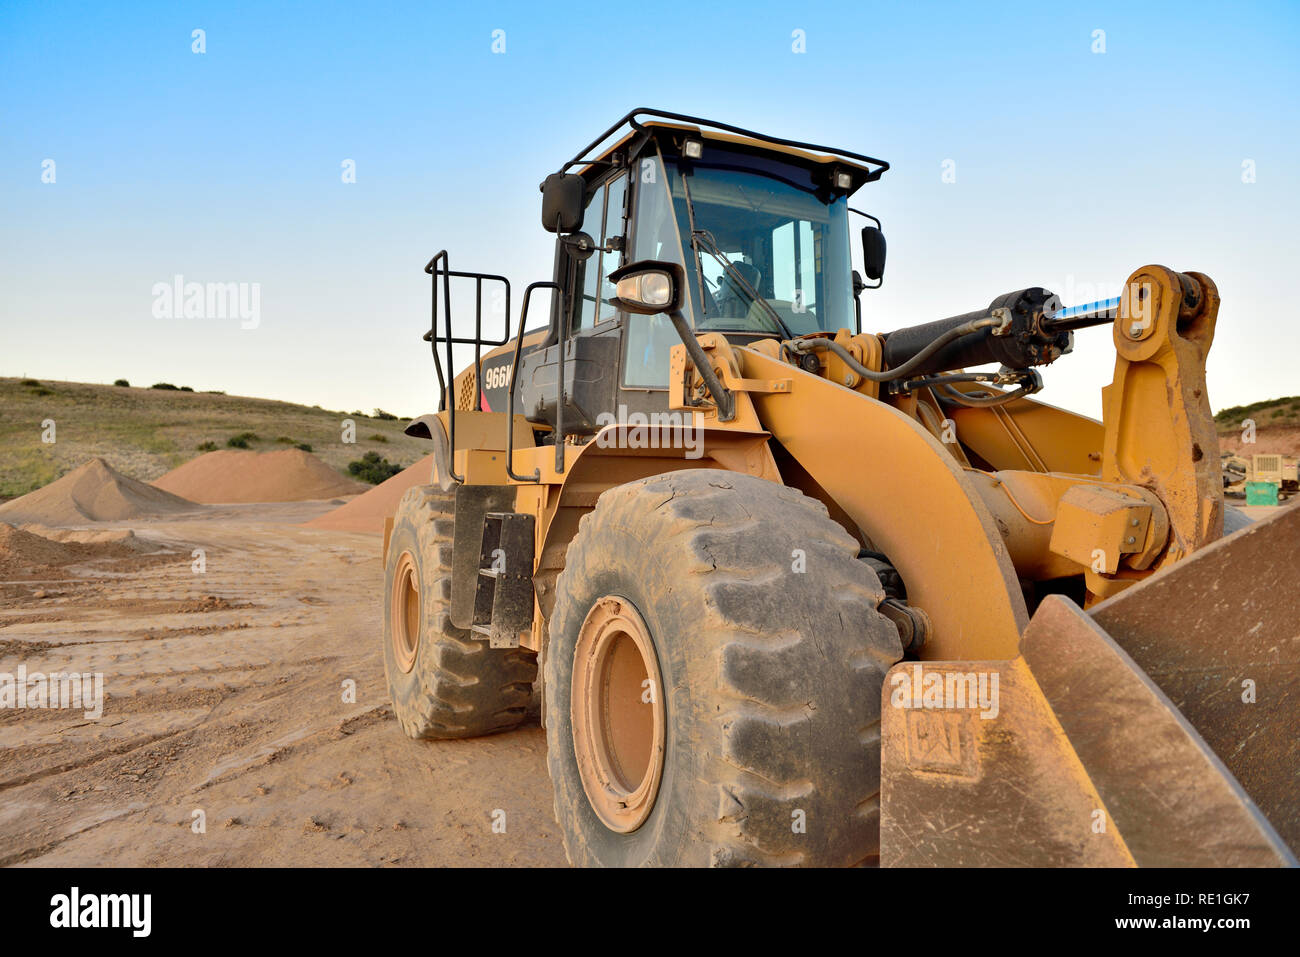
(758, 227)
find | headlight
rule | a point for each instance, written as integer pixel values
(647, 287)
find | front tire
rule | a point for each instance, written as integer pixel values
(770, 653)
(443, 682)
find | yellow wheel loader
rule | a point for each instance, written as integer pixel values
(797, 593)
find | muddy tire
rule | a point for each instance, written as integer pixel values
(770, 716)
(443, 683)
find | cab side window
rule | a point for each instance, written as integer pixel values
(615, 196)
(603, 221)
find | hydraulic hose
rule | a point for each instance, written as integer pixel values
(888, 375)
(985, 402)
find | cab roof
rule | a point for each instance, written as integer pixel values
(864, 169)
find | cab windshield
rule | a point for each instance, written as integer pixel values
(786, 238)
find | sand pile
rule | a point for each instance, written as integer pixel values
(290, 475)
(23, 553)
(92, 536)
(18, 545)
(366, 513)
(93, 493)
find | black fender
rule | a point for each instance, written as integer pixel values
(429, 426)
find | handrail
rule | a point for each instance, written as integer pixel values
(447, 384)
(448, 402)
(510, 396)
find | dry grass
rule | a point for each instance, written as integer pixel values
(145, 432)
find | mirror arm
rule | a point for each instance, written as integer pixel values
(858, 286)
(723, 398)
(881, 281)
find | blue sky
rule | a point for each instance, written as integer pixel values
(1072, 167)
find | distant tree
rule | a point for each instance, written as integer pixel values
(122, 382)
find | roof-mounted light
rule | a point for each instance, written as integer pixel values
(693, 149)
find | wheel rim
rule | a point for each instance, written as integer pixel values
(617, 714)
(404, 613)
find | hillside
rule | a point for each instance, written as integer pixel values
(145, 432)
(1267, 414)
(1277, 427)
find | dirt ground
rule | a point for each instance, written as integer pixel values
(227, 693)
(224, 693)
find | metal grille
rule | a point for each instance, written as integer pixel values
(1268, 468)
(466, 392)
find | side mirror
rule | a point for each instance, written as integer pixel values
(563, 202)
(873, 252)
(648, 287)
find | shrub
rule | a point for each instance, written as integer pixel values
(35, 387)
(167, 386)
(379, 437)
(186, 388)
(373, 469)
(386, 416)
(241, 440)
(285, 440)
(122, 382)
(208, 446)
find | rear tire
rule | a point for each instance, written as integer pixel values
(771, 677)
(443, 682)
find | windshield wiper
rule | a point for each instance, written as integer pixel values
(702, 237)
